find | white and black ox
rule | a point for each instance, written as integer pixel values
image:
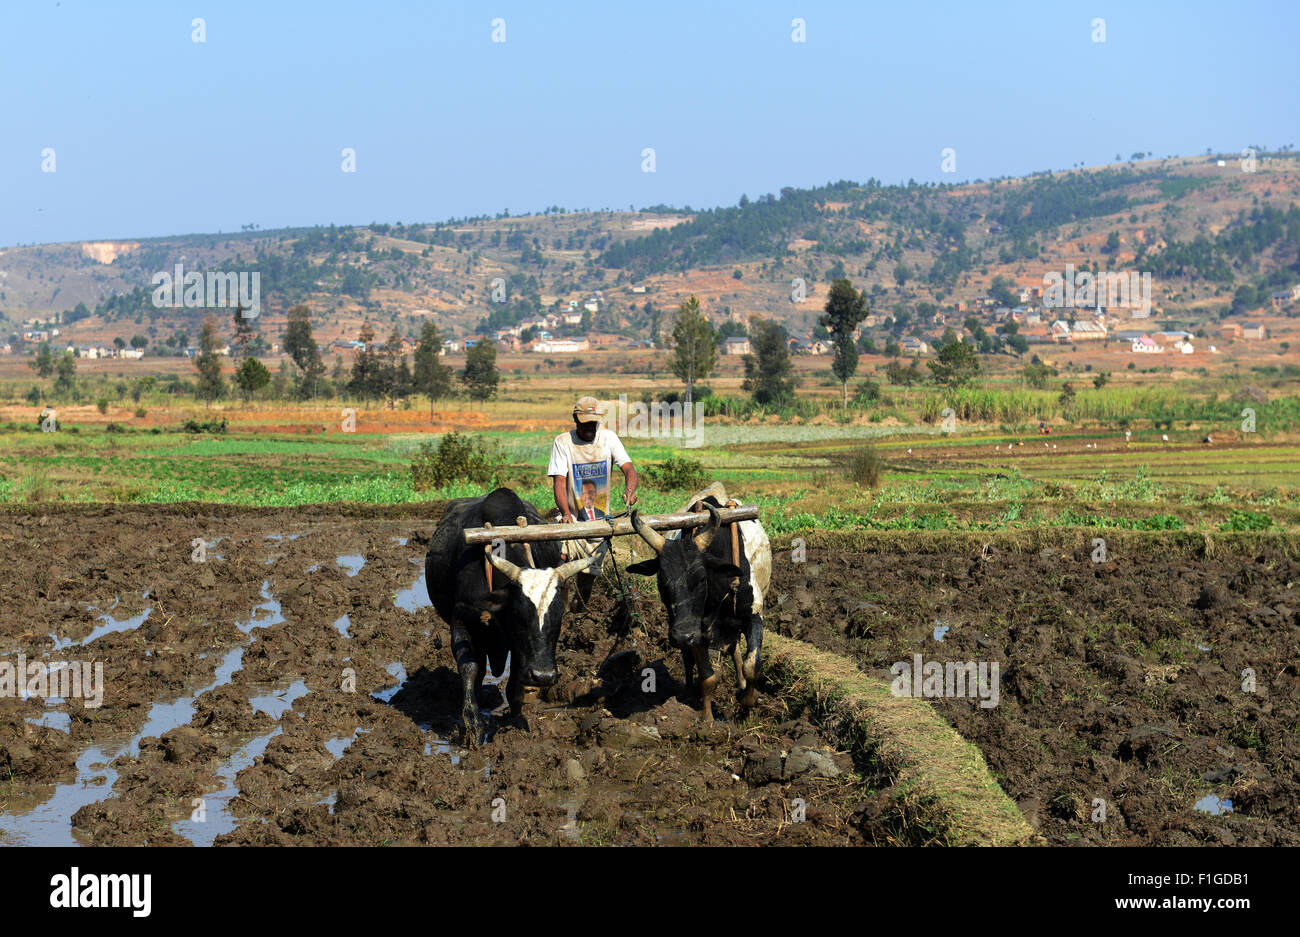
(713, 595)
(520, 614)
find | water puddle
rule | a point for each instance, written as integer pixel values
(1213, 805)
(351, 562)
(940, 631)
(215, 811)
(341, 743)
(53, 720)
(275, 703)
(111, 626)
(272, 605)
(343, 624)
(413, 598)
(398, 672)
(48, 819)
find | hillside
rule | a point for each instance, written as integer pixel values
(1202, 229)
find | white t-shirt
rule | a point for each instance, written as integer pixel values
(587, 466)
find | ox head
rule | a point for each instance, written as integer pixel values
(687, 572)
(535, 608)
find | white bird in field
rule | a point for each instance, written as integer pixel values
(1164, 438)
(998, 447)
(1127, 434)
(909, 451)
(1053, 445)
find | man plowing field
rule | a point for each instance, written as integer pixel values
(581, 470)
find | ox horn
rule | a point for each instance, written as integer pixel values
(574, 567)
(705, 536)
(504, 566)
(648, 533)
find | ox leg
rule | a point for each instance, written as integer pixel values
(688, 666)
(708, 681)
(470, 666)
(515, 693)
(734, 651)
(753, 661)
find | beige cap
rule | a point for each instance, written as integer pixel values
(588, 410)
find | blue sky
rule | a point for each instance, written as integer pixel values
(155, 134)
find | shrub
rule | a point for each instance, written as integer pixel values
(1247, 520)
(102, 404)
(114, 428)
(141, 413)
(677, 473)
(866, 466)
(206, 426)
(33, 396)
(457, 458)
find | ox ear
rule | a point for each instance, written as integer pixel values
(645, 567)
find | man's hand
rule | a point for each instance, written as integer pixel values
(568, 519)
(629, 496)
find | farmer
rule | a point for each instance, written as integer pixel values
(581, 470)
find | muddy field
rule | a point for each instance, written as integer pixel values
(1121, 681)
(294, 687)
(228, 718)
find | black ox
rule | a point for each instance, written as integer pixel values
(519, 615)
(713, 595)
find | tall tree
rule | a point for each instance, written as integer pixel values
(696, 351)
(366, 366)
(244, 334)
(480, 376)
(302, 348)
(211, 384)
(431, 377)
(251, 377)
(956, 364)
(769, 375)
(395, 375)
(43, 363)
(845, 309)
(66, 369)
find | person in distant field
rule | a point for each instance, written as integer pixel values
(589, 511)
(581, 468)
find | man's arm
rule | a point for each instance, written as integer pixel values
(624, 462)
(631, 480)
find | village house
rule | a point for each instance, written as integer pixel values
(1147, 345)
(1172, 337)
(562, 346)
(135, 353)
(1230, 330)
(914, 346)
(1253, 330)
(573, 318)
(1280, 298)
(449, 347)
(1085, 331)
(736, 345)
